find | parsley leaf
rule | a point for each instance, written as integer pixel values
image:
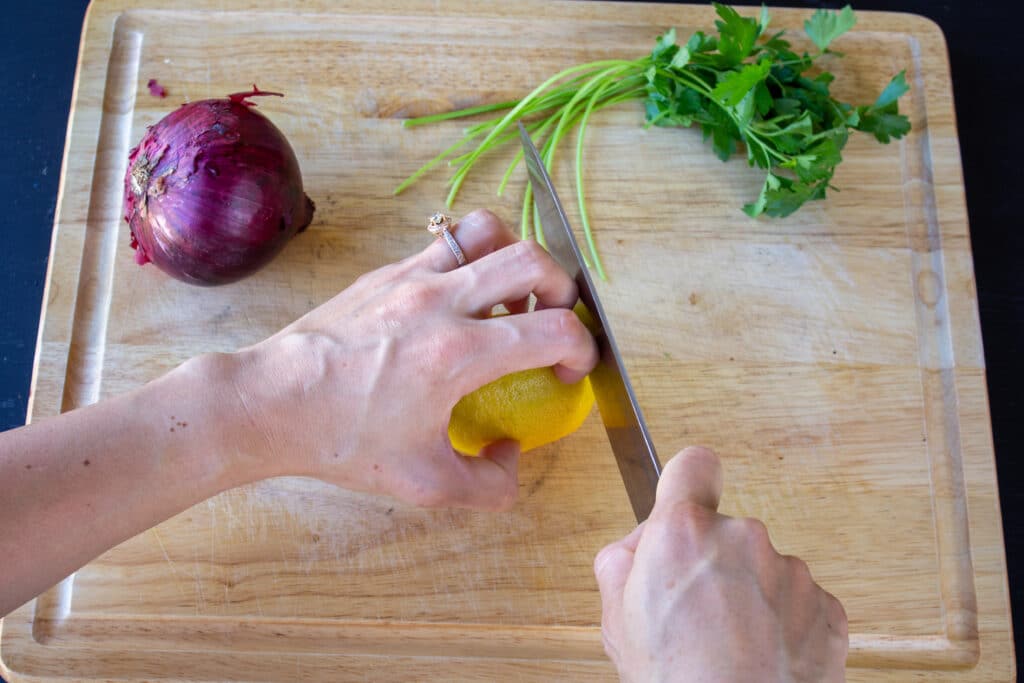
(736, 35)
(897, 88)
(745, 89)
(733, 86)
(681, 59)
(757, 208)
(824, 26)
(762, 24)
(664, 43)
(882, 119)
(883, 125)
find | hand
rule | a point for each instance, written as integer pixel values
(359, 392)
(693, 595)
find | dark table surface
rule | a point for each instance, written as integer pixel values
(39, 49)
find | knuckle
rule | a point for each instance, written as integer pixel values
(683, 518)
(491, 229)
(687, 510)
(533, 250)
(798, 569)
(836, 609)
(528, 259)
(756, 534)
(485, 218)
(567, 328)
(453, 345)
(837, 615)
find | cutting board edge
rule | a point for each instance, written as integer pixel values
(57, 220)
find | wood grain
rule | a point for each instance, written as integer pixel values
(834, 358)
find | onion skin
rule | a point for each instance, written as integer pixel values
(213, 192)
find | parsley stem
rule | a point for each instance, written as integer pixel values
(511, 116)
(458, 114)
(584, 219)
(524, 222)
(431, 164)
(519, 154)
(619, 95)
(689, 81)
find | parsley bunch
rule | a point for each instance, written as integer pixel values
(741, 87)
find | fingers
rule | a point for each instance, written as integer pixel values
(552, 337)
(511, 274)
(612, 567)
(478, 233)
(838, 626)
(500, 267)
(694, 475)
(835, 614)
(606, 557)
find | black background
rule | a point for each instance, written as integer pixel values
(39, 49)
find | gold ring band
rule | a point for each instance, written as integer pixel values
(439, 226)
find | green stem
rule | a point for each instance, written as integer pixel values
(524, 229)
(498, 142)
(616, 97)
(547, 157)
(538, 227)
(600, 80)
(457, 114)
(538, 133)
(689, 81)
(422, 170)
(514, 113)
(584, 218)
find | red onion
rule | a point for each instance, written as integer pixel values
(213, 191)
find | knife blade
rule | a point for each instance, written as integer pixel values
(616, 400)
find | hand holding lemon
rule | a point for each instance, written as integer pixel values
(365, 390)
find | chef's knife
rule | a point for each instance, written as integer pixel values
(630, 440)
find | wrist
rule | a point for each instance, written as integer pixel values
(222, 434)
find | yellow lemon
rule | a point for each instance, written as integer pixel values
(532, 407)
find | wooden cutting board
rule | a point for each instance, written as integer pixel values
(833, 358)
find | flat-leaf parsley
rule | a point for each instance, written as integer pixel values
(740, 87)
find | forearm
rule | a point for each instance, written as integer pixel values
(76, 485)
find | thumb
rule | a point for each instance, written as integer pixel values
(693, 475)
(487, 481)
